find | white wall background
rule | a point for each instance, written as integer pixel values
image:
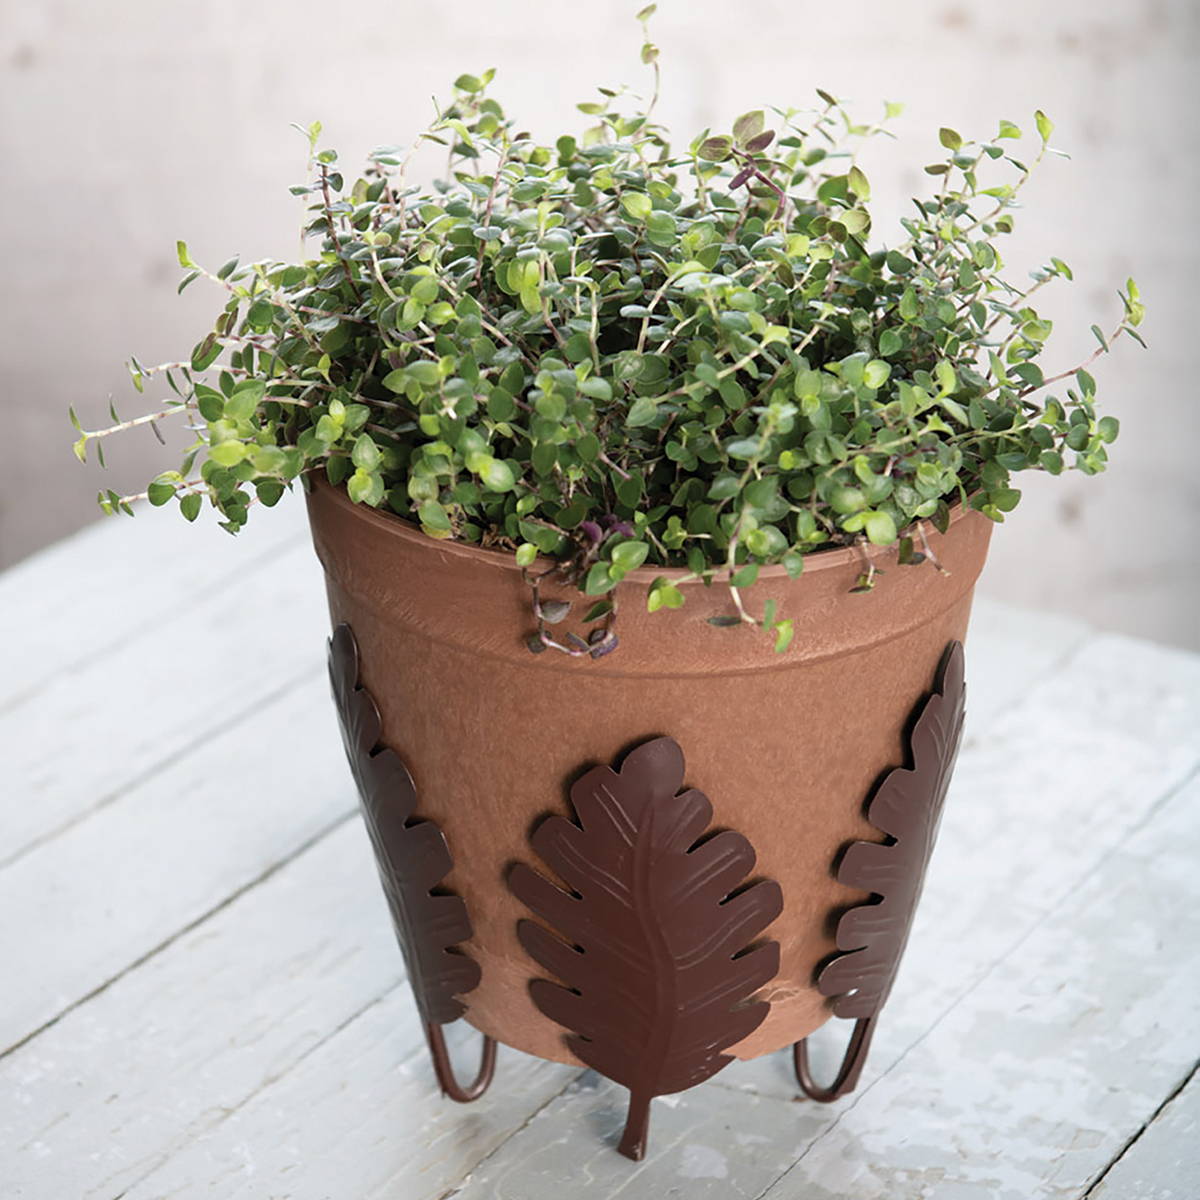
(129, 123)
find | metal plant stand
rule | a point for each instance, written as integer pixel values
(654, 946)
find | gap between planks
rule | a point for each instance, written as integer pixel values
(1131, 1145)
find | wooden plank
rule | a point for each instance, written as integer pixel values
(146, 1073)
(1035, 1080)
(1039, 797)
(359, 1117)
(108, 1093)
(111, 582)
(92, 731)
(1010, 649)
(1163, 1163)
(78, 910)
(132, 1088)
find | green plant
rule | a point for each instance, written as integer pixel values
(611, 355)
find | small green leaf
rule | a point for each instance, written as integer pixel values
(748, 125)
(189, 505)
(950, 138)
(745, 577)
(660, 228)
(227, 454)
(598, 580)
(210, 403)
(643, 411)
(716, 149)
(497, 475)
(206, 353)
(629, 555)
(160, 492)
(597, 389)
(1005, 499)
(365, 453)
(663, 594)
(890, 342)
(880, 528)
(876, 373)
(784, 632)
(425, 290)
(433, 516)
(246, 397)
(500, 405)
(945, 376)
(847, 500)
(364, 487)
(1045, 126)
(637, 204)
(744, 448)
(856, 181)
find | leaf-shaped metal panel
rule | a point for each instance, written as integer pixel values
(907, 807)
(412, 854)
(652, 936)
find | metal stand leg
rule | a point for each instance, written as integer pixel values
(853, 1062)
(444, 1069)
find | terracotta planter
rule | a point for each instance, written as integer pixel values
(786, 747)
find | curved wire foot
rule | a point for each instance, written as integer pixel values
(853, 1062)
(444, 1069)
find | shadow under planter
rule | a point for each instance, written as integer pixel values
(651, 932)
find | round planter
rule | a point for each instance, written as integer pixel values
(787, 748)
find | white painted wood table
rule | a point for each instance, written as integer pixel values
(200, 995)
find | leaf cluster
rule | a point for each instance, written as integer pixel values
(612, 355)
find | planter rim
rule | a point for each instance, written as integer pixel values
(400, 527)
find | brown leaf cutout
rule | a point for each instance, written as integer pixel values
(907, 807)
(412, 854)
(652, 943)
